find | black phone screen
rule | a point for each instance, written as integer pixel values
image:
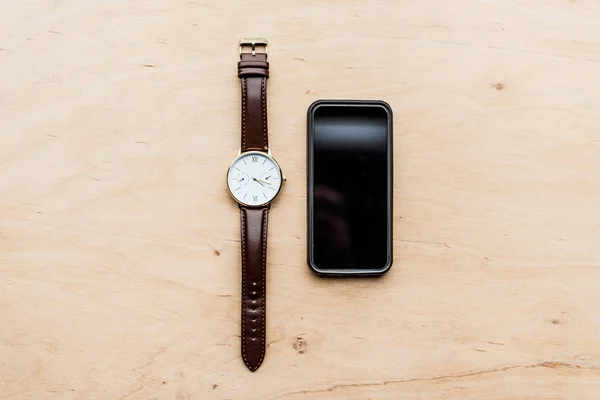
(350, 181)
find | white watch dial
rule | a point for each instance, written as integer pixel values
(254, 178)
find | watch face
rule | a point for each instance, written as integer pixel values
(254, 178)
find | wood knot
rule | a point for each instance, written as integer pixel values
(299, 345)
(499, 86)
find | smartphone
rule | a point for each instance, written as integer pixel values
(350, 187)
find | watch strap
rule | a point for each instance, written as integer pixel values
(254, 284)
(253, 70)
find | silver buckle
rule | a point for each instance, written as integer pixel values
(253, 43)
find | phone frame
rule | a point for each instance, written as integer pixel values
(310, 185)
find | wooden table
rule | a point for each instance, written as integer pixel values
(119, 249)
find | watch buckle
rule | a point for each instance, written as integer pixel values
(253, 43)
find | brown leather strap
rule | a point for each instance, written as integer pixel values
(253, 70)
(254, 285)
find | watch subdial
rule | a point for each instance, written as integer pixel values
(270, 178)
(239, 179)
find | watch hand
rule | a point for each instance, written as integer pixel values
(257, 181)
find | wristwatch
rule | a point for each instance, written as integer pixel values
(254, 180)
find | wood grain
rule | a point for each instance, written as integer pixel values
(119, 244)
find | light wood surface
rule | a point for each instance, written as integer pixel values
(119, 244)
